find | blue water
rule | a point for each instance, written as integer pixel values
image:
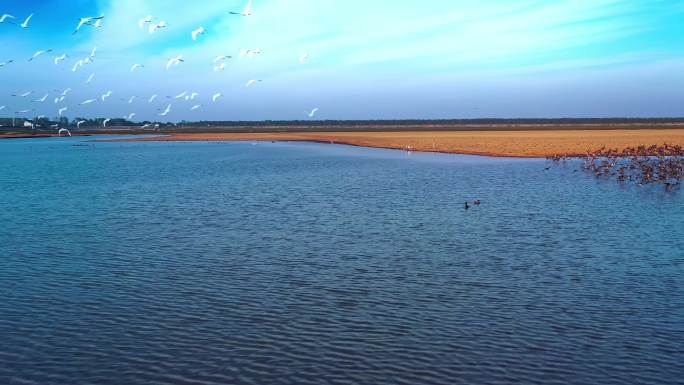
(295, 263)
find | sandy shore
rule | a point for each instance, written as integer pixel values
(496, 143)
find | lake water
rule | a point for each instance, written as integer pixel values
(297, 263)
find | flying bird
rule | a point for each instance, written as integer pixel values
(154, 27)
(313, 112)
(60, 58)
(63, 130)
(78, 65)
(25, 94)
(195, 107)
(90, 78)
(5, 17)
(106, 95)
(245, 12)
(166, 111)
(65, 92)
(2, 107)
(181, 95)
(193, 95)
(197, 32)
(304, 58)
(130, 116)
(215, 97)
(26, 22)
(78, 124)
(61, 110)
(221, 58)
(89, 101)
(174, 61)
(152, 98)
(92, 53)
(220, 67)
(86, 21)
(131, 99)
(146, 20)
(136, 66)
(251, 83)
(250, 52)
(104, 123)
(41, 100)
(6, 63)
(35, 55)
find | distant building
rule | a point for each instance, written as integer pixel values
(28, 124)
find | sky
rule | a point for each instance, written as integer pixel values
(381, 59)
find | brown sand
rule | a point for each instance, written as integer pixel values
(497, 143)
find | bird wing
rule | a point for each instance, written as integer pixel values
(248, 8)
(25, 23)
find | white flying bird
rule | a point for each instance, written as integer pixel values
(106, 95)
(86, 21)
(174, 61)
(251, 83)
(104, 123)
(89, 101)
(60, 58)
(215, 97)
(92, 53)
(78, 65)
(2, 107)
(181, 95)
(193, 95)
(250, 52)
(131, 99)
(90, 78)
(166, 111)
(61, 110)
(25, 94)
(245, 12)
(41, 100)
(78, 124)
(63, 130)
(24, 111)
(65, 92)
(304, 58)
(146, 20)
(6, 63)
(35, 55)
(220, 67)
(26, 22)
(221, 58)
(130, 116)
(5, 17)
(313, 112)
(136, 66)
(195, 107)
(197, 32)
(154, 27)
(151, 99)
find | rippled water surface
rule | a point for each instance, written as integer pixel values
(292, 263)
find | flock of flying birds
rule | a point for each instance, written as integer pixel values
(152, 26)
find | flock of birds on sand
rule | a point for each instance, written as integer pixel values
(152, 26)
(644, 165)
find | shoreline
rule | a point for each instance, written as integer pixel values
(514, 144)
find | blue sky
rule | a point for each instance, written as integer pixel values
(377, 59)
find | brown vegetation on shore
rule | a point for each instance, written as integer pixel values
(497, 143)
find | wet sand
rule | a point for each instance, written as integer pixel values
(495, 143)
